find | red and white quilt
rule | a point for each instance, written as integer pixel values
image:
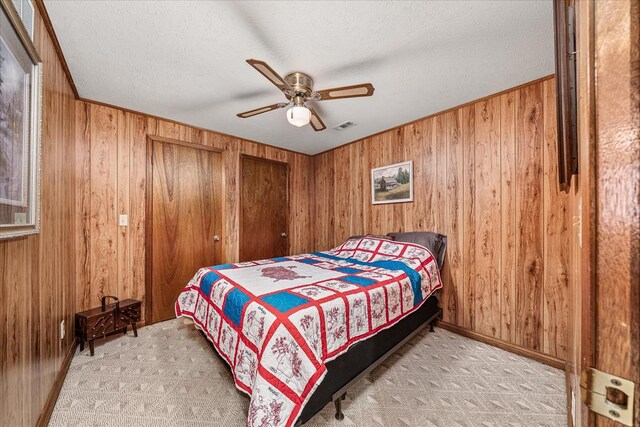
(278, 321)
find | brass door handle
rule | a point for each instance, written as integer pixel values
(216, 238)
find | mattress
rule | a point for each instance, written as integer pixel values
(279, 322)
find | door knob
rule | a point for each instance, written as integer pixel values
(283, 234)
(216, 238)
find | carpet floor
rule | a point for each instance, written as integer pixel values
(171, 376)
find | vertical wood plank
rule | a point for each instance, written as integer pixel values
(342, 192)
(123, 249)
(169, 130)
(429, 163)
(47, 307)
(376, 159)
(365, 184)
(487, 217)
(16, 358)
(324, 202)
(137, 128)
(440, 169)
(398, 154)
(529, 239)
(453, 220)
(232, 182)
(301, 187)
(556, 231)
(468, 214)
(83, 203)
(355, 190)
(413, 139)
(103, 221)
(68, 280)
(508, 215)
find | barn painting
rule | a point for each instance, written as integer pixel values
(392, 183)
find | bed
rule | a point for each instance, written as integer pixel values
(297, 331)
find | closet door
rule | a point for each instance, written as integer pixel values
(264, 209)
(184, 219)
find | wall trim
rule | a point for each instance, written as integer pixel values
(104, 104)
(548, 360)
(174, 141)
(541, 79)
(56, 44)
(52, 398)
(227, 135)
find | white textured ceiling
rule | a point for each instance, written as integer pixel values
(186, 60)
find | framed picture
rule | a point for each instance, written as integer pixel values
(20, 104)
(392, 183)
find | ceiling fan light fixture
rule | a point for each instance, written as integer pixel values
(297, 87)
(299, 115)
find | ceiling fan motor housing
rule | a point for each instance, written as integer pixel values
(301, 83)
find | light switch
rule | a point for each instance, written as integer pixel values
(123, 221)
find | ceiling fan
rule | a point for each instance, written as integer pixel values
(298, 89)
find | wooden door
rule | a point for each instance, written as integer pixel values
(184, 219)
(604, 277)
(264, 208)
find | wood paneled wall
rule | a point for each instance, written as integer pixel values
(37, 273)
(111, 164)
(484, 175)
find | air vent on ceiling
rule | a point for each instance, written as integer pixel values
(344, 125)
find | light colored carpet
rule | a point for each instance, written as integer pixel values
(170, 376)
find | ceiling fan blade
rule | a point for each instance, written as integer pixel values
(316, 122)
(355, 91)
(264, 69)
(261, 110)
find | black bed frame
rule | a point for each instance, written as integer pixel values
(363, 357)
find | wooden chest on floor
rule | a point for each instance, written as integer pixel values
(107, 319)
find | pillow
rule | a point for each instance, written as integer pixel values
(381, 236)
(377, 236)
(436, 243)
(355, 237)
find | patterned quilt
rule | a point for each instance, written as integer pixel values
(278, 321)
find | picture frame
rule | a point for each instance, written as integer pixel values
(20, 116)
(392, 183)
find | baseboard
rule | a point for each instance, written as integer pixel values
(45, 415)
(512, 348)
(567, 378)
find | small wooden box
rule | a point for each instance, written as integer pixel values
(106, 320)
